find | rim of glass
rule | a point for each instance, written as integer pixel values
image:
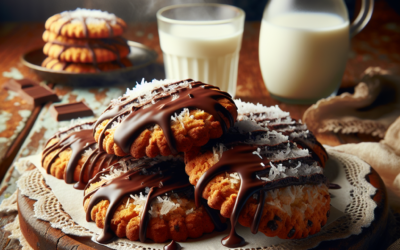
(173, 21)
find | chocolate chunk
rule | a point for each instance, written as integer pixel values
(37, 95)
(309, 223)
(291, 233)
(272, 225)
(277, 218)
(18, 85)
(176, 227)
(69, 111)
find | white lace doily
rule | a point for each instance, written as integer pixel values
(359, 212)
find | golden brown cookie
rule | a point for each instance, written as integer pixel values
(84, 23)
(239, 174)
(163, 118)
(148, 198)
(294, 204)
(84, 50)
(72, 154)
(54, 64)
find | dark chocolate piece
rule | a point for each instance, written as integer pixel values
(19, 85)
(37, 95)
(291, 233)
(70, 111)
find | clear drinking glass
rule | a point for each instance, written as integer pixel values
(202, 42)
(304, 45)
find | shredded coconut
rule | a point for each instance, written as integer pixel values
(91, 16)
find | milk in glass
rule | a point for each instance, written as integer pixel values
(303, 55)
(208, 53)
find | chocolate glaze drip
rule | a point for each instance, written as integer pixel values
(78, 141)
(173, 246)
(105, 160)
(334, 186)
(240, 159)
(136, 118)
(161, 178)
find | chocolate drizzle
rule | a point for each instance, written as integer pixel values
(137, 117)
(68, 19)
(241, 160)
(173, 246)
(110, 44)
(161, 178)
(88, 168)
(78, 142)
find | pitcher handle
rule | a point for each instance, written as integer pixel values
(367, 7)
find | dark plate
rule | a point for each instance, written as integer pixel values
(140, 56)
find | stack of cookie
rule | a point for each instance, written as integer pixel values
(190, 157)
(85, 41)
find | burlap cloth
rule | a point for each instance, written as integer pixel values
(372, 108)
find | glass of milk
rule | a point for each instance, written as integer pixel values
(202, 42)
(304, 45)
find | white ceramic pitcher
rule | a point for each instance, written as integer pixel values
(304, 47)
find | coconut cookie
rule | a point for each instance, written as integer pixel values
(164, 118)
(146, 198)
(84, 50)
(84, 23)
(274, 119)
(54, 64)
(262, 178)
(72, 154)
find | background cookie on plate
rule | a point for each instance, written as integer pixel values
(54, 64)
(84, 50)
(84, 23)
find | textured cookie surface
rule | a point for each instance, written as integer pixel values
(54, 64)
(84, 50)
(163, 118)
(114, 204)
(84, 23)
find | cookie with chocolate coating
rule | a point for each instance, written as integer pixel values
(265, 174)
(146, 198)
(84, 23)
(84, 50)
(72, 154)
(164, 118)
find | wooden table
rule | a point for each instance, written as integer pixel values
(24, 129)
